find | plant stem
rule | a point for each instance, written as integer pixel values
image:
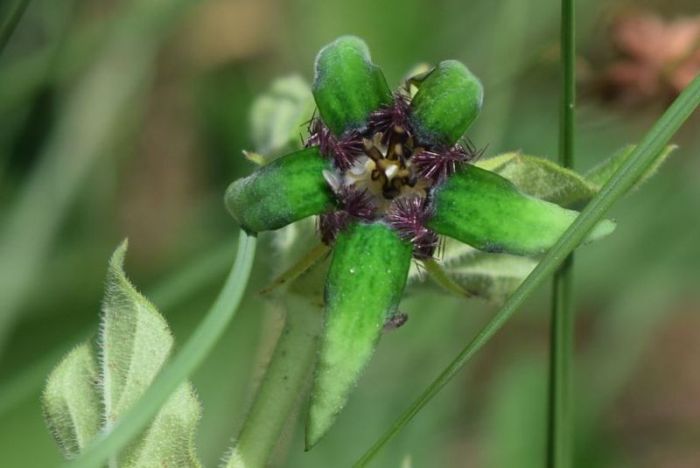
(559, 418)
(299, 268)
(8, 26)
(182, 365)
(441, 278)
(285, 378)
(622, 180)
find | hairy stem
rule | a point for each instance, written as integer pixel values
(281, 389)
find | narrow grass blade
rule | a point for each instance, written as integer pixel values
(10, 23)
(624, 178)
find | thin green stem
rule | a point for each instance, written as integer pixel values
(10, 23)
(559, 420)
(285, 378)
(182, 365)
(439, 275)
(622, 180)
(299, 268)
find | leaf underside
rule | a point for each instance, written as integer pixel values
(93, 387)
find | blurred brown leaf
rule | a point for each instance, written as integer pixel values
(658, 57)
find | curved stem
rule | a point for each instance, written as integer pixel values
(185, 362)
(285, 379)
(622, 180)
(560, 424)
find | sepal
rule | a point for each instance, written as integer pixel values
(347, 86)
(288, 189)
(365, 282)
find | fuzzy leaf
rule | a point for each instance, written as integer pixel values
(170, 440)
(71, 403)
(542, 179)
(447, 102)
(489, 276)
(365, 282)
(134, 341)
(600, 174)
(91, 390)
(486, 211)
(277, 117)
(286, 190)
(347, 86)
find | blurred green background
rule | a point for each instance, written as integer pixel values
(127, 119)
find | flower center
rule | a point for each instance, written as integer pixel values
(383, 168)
(384, 173)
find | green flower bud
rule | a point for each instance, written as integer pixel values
(348, 87)
(286, 190)
(486, 211)
(365, 282)
(447, 102)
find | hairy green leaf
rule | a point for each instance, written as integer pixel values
(277, 117)
(170, 440)
(71, 403)
(134, 341)
(601, 173)
(89, 391)
(489, 276)
(548, 181)
(542, 178)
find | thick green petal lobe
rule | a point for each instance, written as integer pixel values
(447, 102)
(488, 212)
(286, 190)
(348, 87)
(365, 282)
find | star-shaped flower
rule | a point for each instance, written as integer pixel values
(386, 173)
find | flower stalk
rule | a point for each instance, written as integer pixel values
(280, 391)
(562, 323)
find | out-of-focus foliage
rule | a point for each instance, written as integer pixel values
(161, 170)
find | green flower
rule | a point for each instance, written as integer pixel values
(387, 173)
